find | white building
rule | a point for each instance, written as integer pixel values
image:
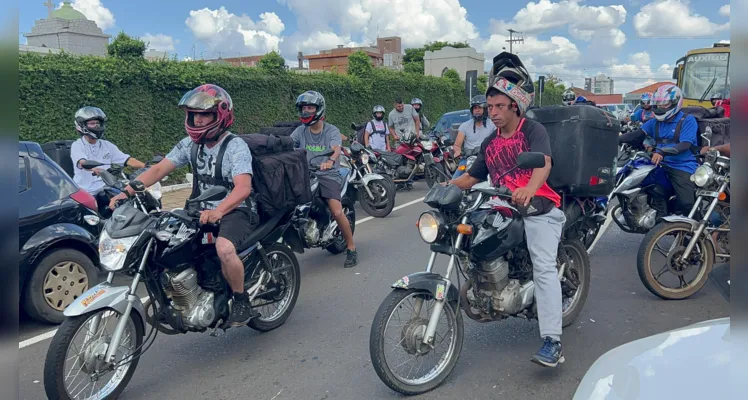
(436, 63)
(69, 30)
(601, 84)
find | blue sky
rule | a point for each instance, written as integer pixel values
(634, 41)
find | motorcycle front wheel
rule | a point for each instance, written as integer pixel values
(432, 176)
(382, 203)
(652, 272)
(398, 327)
(74, 367)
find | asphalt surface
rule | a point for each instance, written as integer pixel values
(322, 351)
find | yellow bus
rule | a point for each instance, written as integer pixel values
(703, 72)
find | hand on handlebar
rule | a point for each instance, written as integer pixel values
(656, 158)
(522, 196)
(326, 165)
(210, 217)
(116, 200)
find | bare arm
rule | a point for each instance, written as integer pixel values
(240, 192)
(155, 174)
(458, 143)
(465, 181)
(418, 123)
(366, 139)
(135, 163)
(539, 175)
(393, 133)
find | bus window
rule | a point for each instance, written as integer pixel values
(700, 70)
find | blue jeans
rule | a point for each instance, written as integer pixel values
(458, 171)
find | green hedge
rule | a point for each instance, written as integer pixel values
(140, 97)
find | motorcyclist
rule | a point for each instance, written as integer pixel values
(317, 137)
(642, 115)
(568, 97)
(722, 100)
(675, 129)
(509, 94)
(209, 112)
(376, 135)
(90, 123)
(403, 120)
(474, 131)
(417, 105)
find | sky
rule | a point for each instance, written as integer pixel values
(636, 42)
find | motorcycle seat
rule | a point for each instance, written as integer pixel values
(393, 159)
(259, 233)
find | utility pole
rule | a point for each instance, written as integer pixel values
(512, 39)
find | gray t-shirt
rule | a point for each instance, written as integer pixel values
(403, 121)
(473, 140)
(237, 160)
(316, 144)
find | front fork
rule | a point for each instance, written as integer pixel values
(702, 223)
(436, 313)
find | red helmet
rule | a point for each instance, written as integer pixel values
(207, 99)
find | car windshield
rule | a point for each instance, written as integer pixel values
(699, 72)
(610, 107)
(444, 125)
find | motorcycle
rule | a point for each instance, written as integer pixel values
(485, 240)
(176, 259)
(151, 200)
(316, 224)
(406, 162)
(375, 193)
(438, 156)
(466, 161)
(700, 238)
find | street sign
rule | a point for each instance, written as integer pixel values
(471, 83)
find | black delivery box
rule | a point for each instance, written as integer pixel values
(584, 146)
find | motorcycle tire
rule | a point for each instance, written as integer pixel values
(268, 323)
(644, 267)
(377, 344)
(338, 246)
(54, 363)
(388, 199)
(582, 274)
(433, 177)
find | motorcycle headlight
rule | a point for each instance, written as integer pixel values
(430, 227)
(427, 145)
(112, 252)
(365, 158)
(155, 191)
(703, 176)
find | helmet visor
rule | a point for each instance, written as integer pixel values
(199, 101)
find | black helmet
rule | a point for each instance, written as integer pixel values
(479, 100)
(716, 97)
(378, 109)
(310, 98)
(568, 97)
(418, 101)
(86, 114)
(510, 77)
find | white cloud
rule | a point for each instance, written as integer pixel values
(159, 42)
(236, 35)
(673, 18)
(639, 71)
(95, 11)
(415, 21)
(545, 15)
(725, 41)
(725, 10)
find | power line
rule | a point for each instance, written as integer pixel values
(623, 78)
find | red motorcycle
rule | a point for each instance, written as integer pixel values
(406, 162)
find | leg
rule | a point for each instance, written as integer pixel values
(234, 229)
(543, 236)
(685, 190)
(330, 190)
(336, 208)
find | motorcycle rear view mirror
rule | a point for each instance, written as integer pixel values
(90, 164)
(530, 160)
(108, 178)
(214, 193)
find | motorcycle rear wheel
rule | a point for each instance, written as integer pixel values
(377, 188)
(390, 307)
(644, 262)
(280, 256)
(580, 272)
(55, 380)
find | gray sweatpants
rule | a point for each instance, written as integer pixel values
(543, 235)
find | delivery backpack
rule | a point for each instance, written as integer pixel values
(281, 128)
(710, 118)
(280, 175)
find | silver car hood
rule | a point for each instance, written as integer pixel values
(686, 363)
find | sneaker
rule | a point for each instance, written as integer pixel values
(351, 259)
(550, 355)
(241, 310)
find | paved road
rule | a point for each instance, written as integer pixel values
(322, 352)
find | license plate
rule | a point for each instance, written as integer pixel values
(707, 193)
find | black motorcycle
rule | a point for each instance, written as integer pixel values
(99, 344)
(115, 180)
(485, 240)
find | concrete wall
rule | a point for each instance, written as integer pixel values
(462, 60)
(73, 36)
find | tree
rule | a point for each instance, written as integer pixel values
(452, 75)
(272, 62)
(125, 46)
(553, 91)
(482, 84)
(359, 64)
(413, 59)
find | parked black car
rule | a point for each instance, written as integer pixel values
(58, 229)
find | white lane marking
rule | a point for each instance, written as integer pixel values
(49, 335)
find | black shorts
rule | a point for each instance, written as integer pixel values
(329, 188)
(237, 225)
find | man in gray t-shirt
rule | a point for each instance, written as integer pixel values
(318, 137)
(209, 113)
(403, 121)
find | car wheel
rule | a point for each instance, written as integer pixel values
(58, 279)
